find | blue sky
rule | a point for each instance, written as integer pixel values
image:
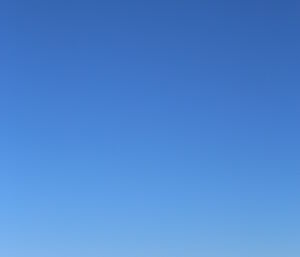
(149, 128)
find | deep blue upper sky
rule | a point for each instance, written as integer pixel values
(149, 128)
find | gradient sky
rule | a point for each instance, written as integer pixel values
(149, 128)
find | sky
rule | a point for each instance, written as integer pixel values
(149, 128)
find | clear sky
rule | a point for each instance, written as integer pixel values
(149, 128)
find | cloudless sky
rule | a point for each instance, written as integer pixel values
(149, 128)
